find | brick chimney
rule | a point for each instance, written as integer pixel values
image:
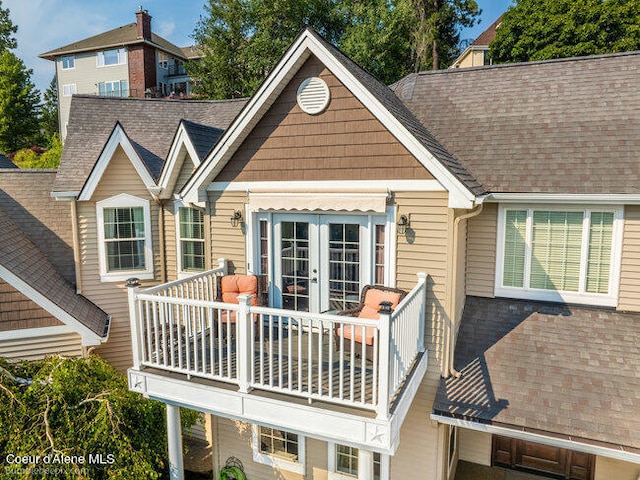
(143, 20)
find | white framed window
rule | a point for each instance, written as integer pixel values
(559, 253)
(163, 59)
(68, 62)
(191, 245)
(117, 88)
(69, 89)
(117, 56)
(343, 463)
(124, 238)
(278, 448)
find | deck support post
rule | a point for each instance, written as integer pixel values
(133, 287)
(422, 281)
(244, 339)
(384, 321)
(365, 464)
(174, 441)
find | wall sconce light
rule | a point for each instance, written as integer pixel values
(236, 218)
(403, 223)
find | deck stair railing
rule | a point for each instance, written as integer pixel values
(179, 327)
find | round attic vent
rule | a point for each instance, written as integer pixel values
(313, 95)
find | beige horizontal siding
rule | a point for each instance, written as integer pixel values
(629, 293)
(120, 176)
(474, 446)
(423, 248)
(226, 241)
(36, 348)
(186, 171)
(481, 252)
(610, 469)
(170, 241)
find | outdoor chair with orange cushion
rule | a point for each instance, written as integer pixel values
(230, 287)
(370, 299)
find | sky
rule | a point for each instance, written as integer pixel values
(48, 24)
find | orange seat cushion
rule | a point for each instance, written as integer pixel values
(235, 285)
(372, 301)
(357, 330)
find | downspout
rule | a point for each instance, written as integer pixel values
(449, 336)
(75, 232)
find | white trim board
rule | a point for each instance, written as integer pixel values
(562, 198)
(330, 186)
(117, 138)
(305, 45)
(181, 149)
(25, 333)
(569, 444)
(89, 337)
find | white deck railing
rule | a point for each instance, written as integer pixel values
(178, 327)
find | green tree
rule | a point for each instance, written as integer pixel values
(545, 29)
(80, 407)
(19, 99)
(435, 35)
(49, 111)
(7, 30)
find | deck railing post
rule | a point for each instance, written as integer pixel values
(422, 281)
(384, 368)
(133, 287)
(222, 265)
(244, 340)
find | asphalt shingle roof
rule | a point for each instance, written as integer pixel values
(23, 258)
(488, 36)
(124, 35)
(560, 126)
(202, 137)
(5, 162)
(149, 124)
(570, 371)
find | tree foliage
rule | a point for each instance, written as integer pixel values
(79, 407)
(7, 30)
(49, 112)
(19, 99)
(545, 29)
(243, 39)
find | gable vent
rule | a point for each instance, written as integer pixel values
(313, 95)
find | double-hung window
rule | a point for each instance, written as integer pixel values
(117, 56)
(68, 62)
(69, 89)
(191, 239)
(343, 463)
(559, 254)
(278, 448)
(124, 238)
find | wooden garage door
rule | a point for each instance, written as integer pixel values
(535, 457)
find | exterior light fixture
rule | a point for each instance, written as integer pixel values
(403, 223)
(236, 218)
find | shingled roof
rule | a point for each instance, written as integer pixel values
(203, 137)
(148, 123)
(489, 35)
(118, 37)
(548, 368)
(22, 259)
(5, 162)
(561, 126)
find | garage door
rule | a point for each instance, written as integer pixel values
(542, 459)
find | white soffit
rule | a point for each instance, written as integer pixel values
(310, 201)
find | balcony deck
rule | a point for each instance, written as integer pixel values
(294, 370)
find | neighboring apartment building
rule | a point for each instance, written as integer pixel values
(128, 61)
(477, 53)
(510, 219)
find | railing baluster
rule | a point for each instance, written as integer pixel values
(363, 365)
(270, 351)
(156, 337)
(309, 358)
(212, 350)
(289, 353)
(320, 339)
(147, 334)
(280, 352)
(300, 339)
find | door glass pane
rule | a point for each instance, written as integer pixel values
(294, 257)
(344, 265)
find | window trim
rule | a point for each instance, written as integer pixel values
(587, 298)
(181, 272)
(122, 201)
(113, 82)
(334, 474)
(73, 89)
(278, 462)
(62, 59)
(122, 57)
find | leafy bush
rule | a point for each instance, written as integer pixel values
(79, 408)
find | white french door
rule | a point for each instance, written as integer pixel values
(319, 262)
